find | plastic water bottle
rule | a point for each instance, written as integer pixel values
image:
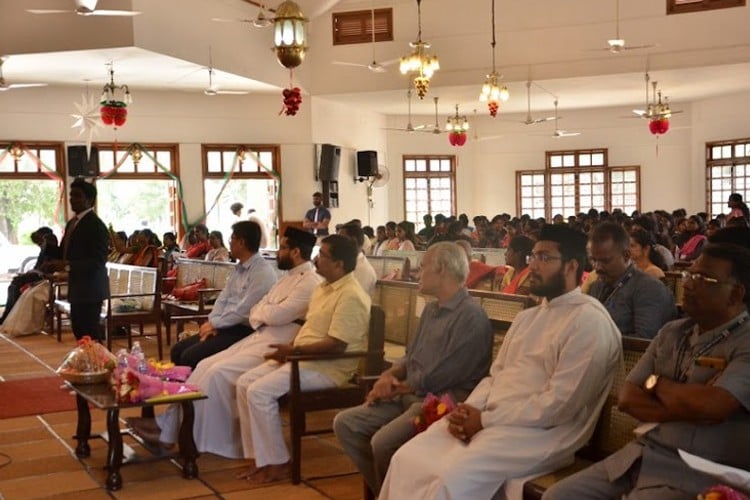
(122, 358)
(140, 357)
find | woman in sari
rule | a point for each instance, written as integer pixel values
(516, 278)
(645, 257)
(218, 252)
(695, 239)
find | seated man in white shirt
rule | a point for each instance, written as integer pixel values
(542, 398)
(276, 319)
(364, 272)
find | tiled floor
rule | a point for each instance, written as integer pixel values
(41, 462)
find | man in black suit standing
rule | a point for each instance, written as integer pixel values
(84, 250)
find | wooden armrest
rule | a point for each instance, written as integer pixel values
(209, 290)
(169, 278)
(189, 317)
(296, 358)
(129, 295)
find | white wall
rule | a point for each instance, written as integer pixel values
(191, 119)
(486, 182)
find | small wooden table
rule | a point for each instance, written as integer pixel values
(102, 396)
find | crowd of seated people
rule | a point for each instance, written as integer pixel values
(528, 411)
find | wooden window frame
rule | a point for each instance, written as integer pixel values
(173, 148)
(677, 7)
(732, 161)
(577, 169)
(431, 175)
(35, 146)
(274, 149)
(364, 18)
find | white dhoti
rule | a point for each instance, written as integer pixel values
(216, 428)
(436, 465)
(258, 392)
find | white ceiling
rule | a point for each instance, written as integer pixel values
(697, 55)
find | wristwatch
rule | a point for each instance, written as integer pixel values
(297, 350)
(650, 384)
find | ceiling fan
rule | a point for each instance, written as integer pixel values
(435, 128)
(212, 89)
(561, 133)
(409, 126)
(616, 45)
(656, 109)
(10, 86)
(374, 65)
(86, 8)
(529, 120)
(261, 19)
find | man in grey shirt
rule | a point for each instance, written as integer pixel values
(450, 353)
(694, 381)
(638, 303)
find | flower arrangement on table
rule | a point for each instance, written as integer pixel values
(433, 409)
(133, 387)
(89, 362)
(162, 369)
(721, 492)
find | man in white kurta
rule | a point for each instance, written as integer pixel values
(337, 322)
(542, 398)
(275, 319)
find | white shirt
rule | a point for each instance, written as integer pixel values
(364, 273)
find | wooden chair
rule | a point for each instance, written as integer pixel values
(301, 402)
(142, 284)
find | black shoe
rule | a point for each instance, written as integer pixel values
(120, 331)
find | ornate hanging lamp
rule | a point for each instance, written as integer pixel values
(114, 111)
(419, 63)
(289, 34)
(457, 126)
(492, 93)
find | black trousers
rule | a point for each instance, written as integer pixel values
(85, 320)
(191, 351)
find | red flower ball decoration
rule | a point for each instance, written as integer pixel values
(658, 126)
(292, 100)
(113, 113)
(457, 139)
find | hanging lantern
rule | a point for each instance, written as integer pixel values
(289, 35)
(457, 138)
(457, 126)
(658, 126)
(114, 111)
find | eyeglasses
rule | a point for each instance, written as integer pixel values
(541, 257)
(701, 278)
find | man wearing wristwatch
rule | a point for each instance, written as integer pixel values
(693, 382)
(337, 320)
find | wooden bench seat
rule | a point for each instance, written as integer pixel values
(134, 299)
(190, 271)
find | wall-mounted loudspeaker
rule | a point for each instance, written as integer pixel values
(367, 163)
(80, 164)
(329, 162)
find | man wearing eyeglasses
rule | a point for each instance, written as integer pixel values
(638, 303)
(542, 398)
(694, 383)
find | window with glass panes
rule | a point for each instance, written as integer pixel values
(576, 181)
(727, 172)
(429, 187)
(141, 192)
(31, 175)
(252, 169)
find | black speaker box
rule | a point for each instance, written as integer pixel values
(81, 165)
(367, 163)
(329, 162)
